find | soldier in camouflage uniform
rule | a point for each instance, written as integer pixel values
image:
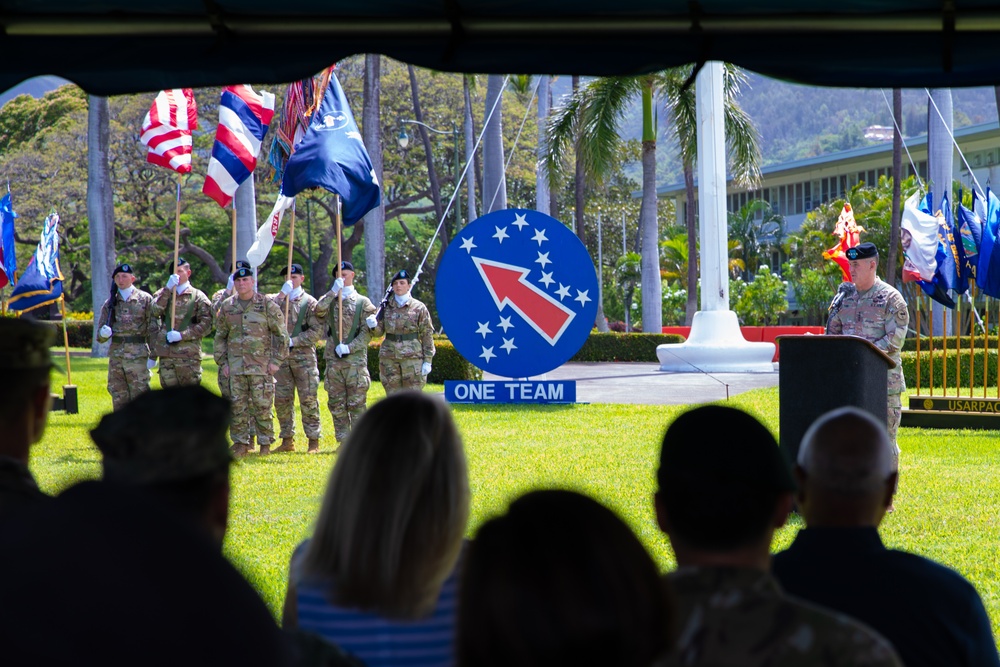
(404, 360)
(24, 407)
(876, 312)
(347, 378)
(720, 506)
(217, 300)
(179, 347)
(299, 370)
(250, 344)
(126, 318)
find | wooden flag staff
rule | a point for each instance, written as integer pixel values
(177, 252)
(291, 249)
(340, 271)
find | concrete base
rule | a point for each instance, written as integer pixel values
(716, 346)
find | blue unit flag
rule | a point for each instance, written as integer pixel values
(41, 283)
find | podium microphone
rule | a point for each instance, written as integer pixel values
(845, 289)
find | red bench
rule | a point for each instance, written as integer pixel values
(757, 334)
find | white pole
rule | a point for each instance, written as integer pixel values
(624, 252)
(600, 264)
(712, 187)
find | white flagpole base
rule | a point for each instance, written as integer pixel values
(716, 345)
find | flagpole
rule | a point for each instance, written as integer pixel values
(340, 270)
(177, 252)
(69, 371)
(232, 266)
(291, 247)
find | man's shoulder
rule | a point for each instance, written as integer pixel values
(142, 295)
(198, 295)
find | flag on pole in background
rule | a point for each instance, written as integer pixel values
(8, 255)
(167, 128)
(244, 117)
(332, 155)
(41, 283)
(919, 238)
(947, 267)
(267, 232)
(970, 231)
(848, 232)
(988, 269)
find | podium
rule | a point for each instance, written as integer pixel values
(820, 373)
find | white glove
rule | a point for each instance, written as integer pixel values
(342, 350)
(291, 343)
(371, 321)
(106, 331)
(151, 363)
(229, 285)
(173, 281)
(173, 336)
(287, 288)
(425, 368)
(338, 285)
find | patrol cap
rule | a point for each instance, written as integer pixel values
(723, 445)
(243, 272)
(402, 274)
(862, 251)
(121, 268)
(296, 270)
(24, 345)
(165, 435)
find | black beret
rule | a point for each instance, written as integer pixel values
(243, 264)
(122, 268)
(346, 266)
(863, 251)
(402, 274)
(181, 261)
(296, 270)
(243, 272)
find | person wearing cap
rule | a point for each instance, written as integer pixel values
(846, 479)
(25, 364)
(724, 488)
(299, 370)
(347, 377)
(250, 344)
(217, 299)
(179, 347)
(404, 359)
(877, 312)
(127, 320)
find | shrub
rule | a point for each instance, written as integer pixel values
(448, 364)
(910, 344)
(910, 368)
(623, 347)
(80, 333)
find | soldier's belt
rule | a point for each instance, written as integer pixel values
(135, 338)
(402, 337)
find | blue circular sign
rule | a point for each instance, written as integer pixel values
(517, 293)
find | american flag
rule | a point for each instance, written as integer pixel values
(167, 128)
(244, 117)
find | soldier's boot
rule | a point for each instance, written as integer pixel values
(287, 445)
(239, 450)
(250, 445)
(313, 446)
(265, 450)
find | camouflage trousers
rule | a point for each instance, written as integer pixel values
(399, 374)
(895, 410)
(127, 378)
(301, 374)
(347, 390)
(252, 398)
(180, 372)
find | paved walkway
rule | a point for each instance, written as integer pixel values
(645, 383)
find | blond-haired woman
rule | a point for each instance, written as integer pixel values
(378, 578)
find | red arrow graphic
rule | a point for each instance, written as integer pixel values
(509, 286)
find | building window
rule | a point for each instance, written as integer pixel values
(798, 198)
(843, 185)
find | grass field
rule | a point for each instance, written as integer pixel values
(947, 508)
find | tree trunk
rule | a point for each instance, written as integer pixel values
(897, 177)
(494, 182)
(246, 218)
(940, 162)
(541, 177)
(652, 289)
(470, 152)
(579, 194)
(425, 138)
(374, 221)
(691, 307)
(100, 211)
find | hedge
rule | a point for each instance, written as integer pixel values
(80, 333)
(910, 368)
(623, 347)
(910, 344)
(448, 364)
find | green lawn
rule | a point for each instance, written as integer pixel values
(947, 508)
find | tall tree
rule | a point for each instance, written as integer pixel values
(541, 176)
(897, 178)
(494, 182)
(100, 210)
(374, 222)
(468, 129)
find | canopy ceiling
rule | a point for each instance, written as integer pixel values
(120, 46)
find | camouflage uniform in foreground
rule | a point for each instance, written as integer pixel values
(347, 378)
(216, 301)
(128, 375)
(248, 337)
(300, 368)
(180, 363)
(734, 616)
(880, 316)
(407, 346)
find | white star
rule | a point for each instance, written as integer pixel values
(501, 234)
(505, 324)
(484, 328)
(543, 259)
(468, 245)
(508, 345)
(519, 221)
(563, 291)
(546, 278)
(487, 354)
(539, 236)
(582, 297)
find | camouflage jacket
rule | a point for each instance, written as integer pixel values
(304, 330)
(328, 313)
(250, 336)
(193, 321)
(412, 321)
(217, 300)
(132, 327)
(734, 616)
(17, 487)
(880, 316)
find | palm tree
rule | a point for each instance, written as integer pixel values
(755, 228)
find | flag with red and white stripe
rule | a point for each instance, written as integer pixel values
(244, 117)
(167, 128)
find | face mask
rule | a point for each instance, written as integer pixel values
(348, 290)
(125, 293)
(402, 300)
